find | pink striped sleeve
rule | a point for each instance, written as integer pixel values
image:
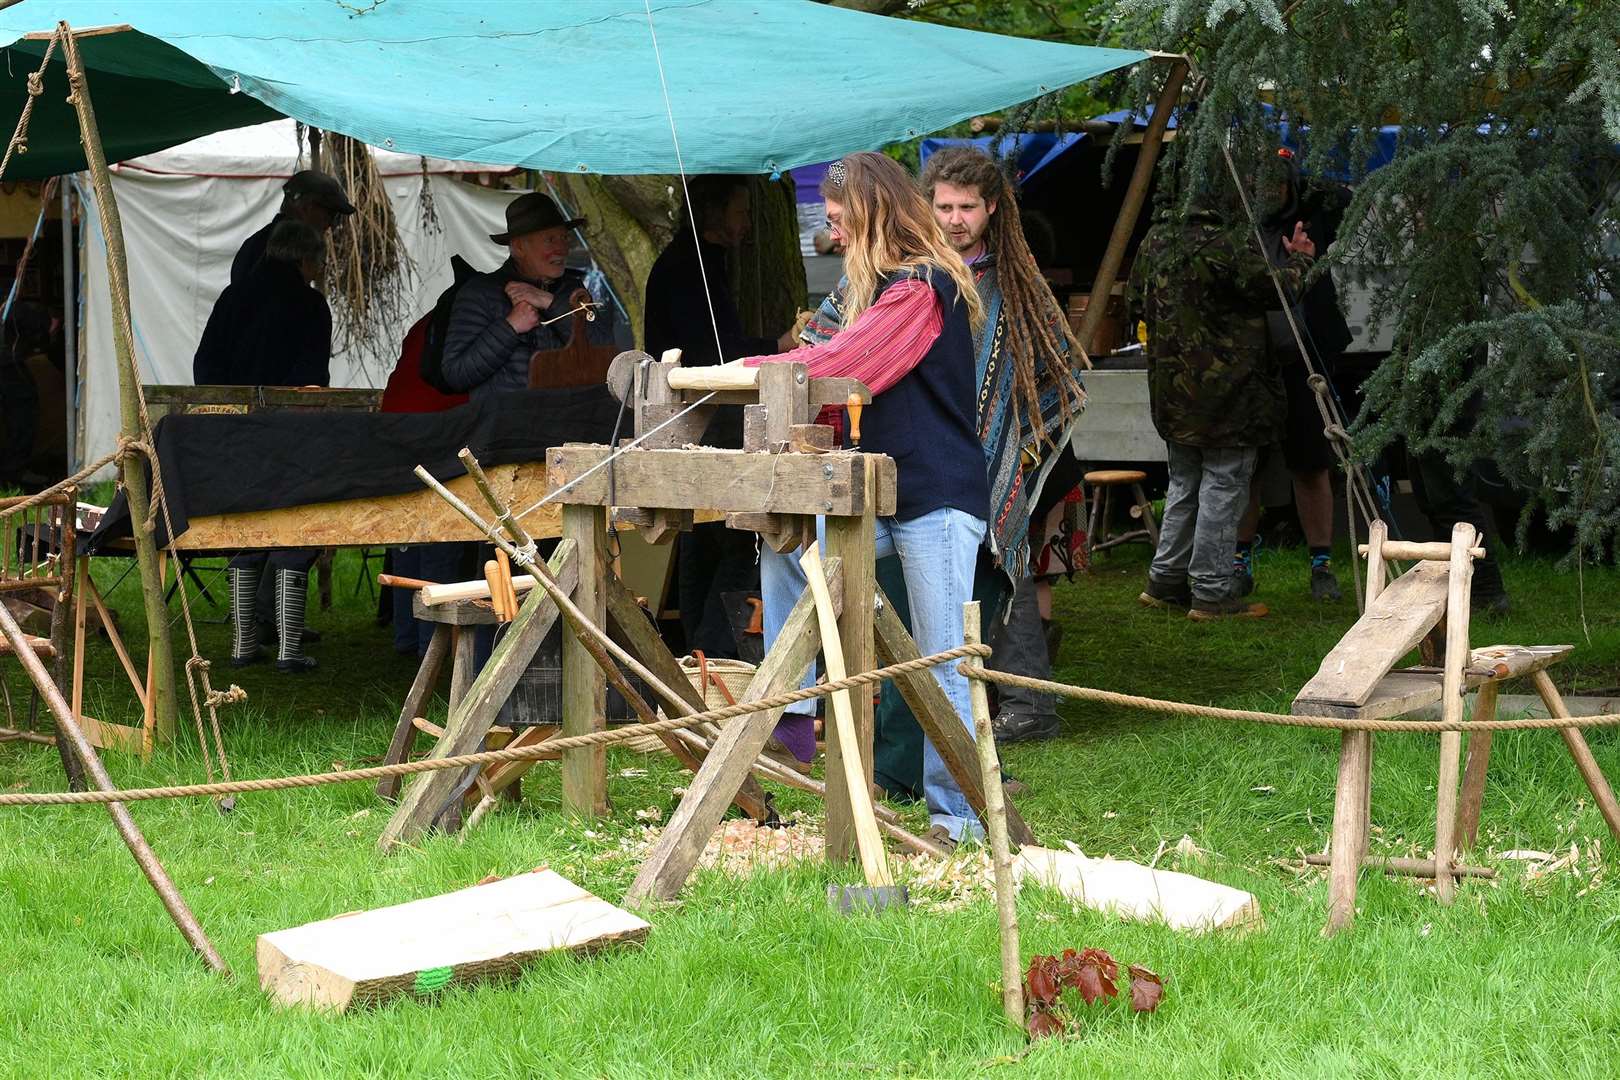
(882, 345)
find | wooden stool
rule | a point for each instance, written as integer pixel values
(1356, 681)
(455, 635)
(1101, 482)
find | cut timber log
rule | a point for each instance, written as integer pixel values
(1140, 893)
(488, 932)
(1394, 623)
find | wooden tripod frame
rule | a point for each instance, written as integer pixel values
(1357, 682)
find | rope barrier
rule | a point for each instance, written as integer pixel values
(490, 757)
(1185, 708)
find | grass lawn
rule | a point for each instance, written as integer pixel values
(757, 978)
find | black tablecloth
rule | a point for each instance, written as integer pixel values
(234, 463)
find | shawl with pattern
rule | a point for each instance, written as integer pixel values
(1015, 483)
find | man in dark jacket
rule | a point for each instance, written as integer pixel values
(713, 560)
(271, 329)
(312, 197)
(499, 319)
(1215, 391)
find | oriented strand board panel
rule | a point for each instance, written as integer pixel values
(415, 517)
(487, 932)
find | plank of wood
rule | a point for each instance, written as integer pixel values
(1458, 583)
(938, 720)
(415, 517)
(784, 390)
(1391, 627)
(856, 789)
(584, 687)
(732, 753)
(427, 677)
(638, 635)
(354, 399)
(1140, 893)
(484, 933)
(727, 481)
(477, 710)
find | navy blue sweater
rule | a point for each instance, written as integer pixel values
(926, 420)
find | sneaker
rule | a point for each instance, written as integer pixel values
(1325, 585)
(1242, 581)
(296, 665)
(1165, 596)
(259, 654)
(1227, 607)
(939, 836)
(1011, 727)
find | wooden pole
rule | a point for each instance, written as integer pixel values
(1352, 805)
(852, 540)
(1596, 782)
(1135, 196)
(68, 729)
(857, 789)
(1451, 708)
(1400, 866)
(995, 812)
(162, 699)
(1479, 757)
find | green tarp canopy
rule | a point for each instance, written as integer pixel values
(564, 85)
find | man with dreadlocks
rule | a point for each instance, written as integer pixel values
(1028, 400)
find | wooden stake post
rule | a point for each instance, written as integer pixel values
(1357, 680)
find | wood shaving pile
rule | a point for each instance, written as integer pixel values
(951, 883)
(742, 846)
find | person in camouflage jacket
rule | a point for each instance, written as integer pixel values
(1203, 288)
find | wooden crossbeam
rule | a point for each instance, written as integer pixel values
(729, 481)
(471, 719)
(733, 752)
(938, 720)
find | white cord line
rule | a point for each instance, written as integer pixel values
(611, 458)
(680, 164)
(590, 314)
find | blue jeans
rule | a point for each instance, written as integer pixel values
(938, 552)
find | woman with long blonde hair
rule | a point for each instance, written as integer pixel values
(910, 311)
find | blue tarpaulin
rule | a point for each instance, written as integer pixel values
(753, 85)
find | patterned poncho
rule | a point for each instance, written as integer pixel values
(1017, 458)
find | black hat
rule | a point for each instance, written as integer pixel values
(318, 187)
(531, 213)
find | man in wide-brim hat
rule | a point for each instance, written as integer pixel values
(498, 321)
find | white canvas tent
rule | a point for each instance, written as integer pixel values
(185, 212)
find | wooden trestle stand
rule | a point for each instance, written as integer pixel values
(777, 485)
(1357, 681)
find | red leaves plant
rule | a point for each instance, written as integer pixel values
(1093, 974)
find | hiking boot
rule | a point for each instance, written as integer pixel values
(1227, 607)
(940, 836)
(1325, 585)
(1011, 727)
(1166, 596)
